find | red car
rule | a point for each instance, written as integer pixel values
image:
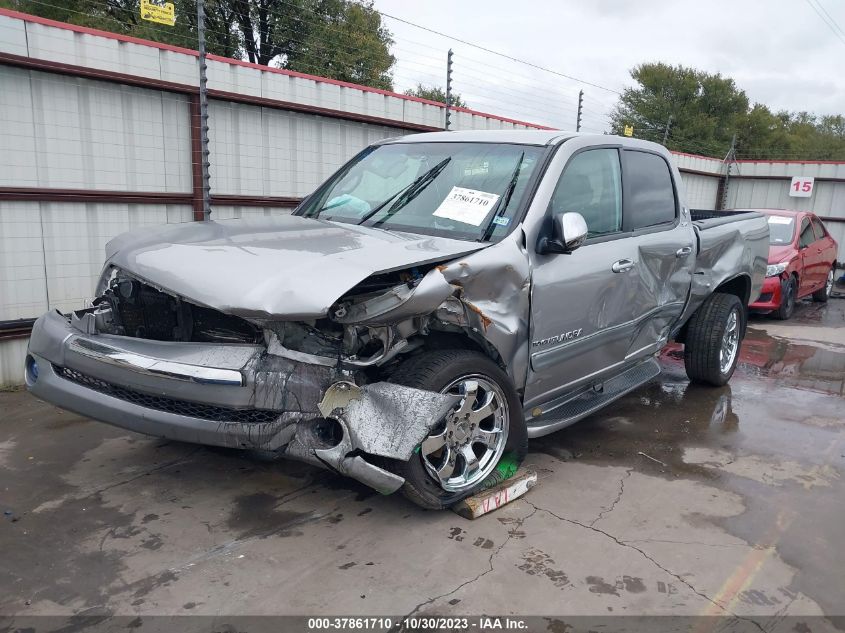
(802, 257)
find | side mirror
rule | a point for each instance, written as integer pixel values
(569, 232)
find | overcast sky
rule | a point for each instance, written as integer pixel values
(779, 51)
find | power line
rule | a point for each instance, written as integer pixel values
(831, 23)
(499, 54)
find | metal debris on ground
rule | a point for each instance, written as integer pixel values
(652, 459)
(494, 498)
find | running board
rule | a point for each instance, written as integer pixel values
(591, 401)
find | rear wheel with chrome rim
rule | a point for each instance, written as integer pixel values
(464, 448)
(714, 335)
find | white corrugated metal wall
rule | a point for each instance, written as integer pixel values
(261, 151)
(701, 176)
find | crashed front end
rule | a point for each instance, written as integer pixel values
(150, 361)
(147, 361)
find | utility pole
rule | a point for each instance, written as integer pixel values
(206, 178)
(580, 106)
(730, 157)
(666, 131)
(448, 90)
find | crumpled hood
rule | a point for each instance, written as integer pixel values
(282, 267)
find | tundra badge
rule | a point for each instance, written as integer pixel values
(558, 338)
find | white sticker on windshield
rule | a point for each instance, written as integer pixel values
(466, 205)
(779, 219)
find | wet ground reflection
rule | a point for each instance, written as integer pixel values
(775, 435)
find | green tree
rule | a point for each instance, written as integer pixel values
(704, 108)
(346, 41)
(706, 111)
(339, 39)
(436, 93)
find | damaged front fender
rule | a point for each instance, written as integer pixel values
(399, 303)
(486, 294)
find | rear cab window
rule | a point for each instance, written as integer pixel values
(650, 200)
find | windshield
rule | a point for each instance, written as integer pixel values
(781, 229)
(460, 190)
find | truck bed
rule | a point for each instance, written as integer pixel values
(731, 244)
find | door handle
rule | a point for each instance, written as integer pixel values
(683, 252)
(622, 266)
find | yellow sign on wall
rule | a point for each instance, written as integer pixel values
(158, 11)
(629, 130)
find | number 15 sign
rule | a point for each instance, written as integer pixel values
(801, 186)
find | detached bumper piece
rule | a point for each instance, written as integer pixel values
(381, 419)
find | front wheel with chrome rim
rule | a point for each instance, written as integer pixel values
(464, 448)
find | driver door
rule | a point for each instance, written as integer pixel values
(580, 302)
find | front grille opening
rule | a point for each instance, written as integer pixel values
(208, 412)
(142, 311)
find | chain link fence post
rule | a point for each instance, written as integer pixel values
(206, 177)
(448, 121)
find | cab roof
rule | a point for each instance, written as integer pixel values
(522, 137)
(525, 137)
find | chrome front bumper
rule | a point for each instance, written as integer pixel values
(117, 376)
(52, 387)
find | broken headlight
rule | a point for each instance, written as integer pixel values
(773, 270)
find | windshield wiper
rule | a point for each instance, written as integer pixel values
(408, 193)
(503, 201)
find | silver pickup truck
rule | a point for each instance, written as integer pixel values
(437, 302)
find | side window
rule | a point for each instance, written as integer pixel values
(591, 184)
(807, 236)
(649, 193)
(818, 228)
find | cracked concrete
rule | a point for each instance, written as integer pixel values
(743, 516)
(609, 509)
(518, 523)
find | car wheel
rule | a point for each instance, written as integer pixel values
(787, 299)
(714, 334)
(822, 294)
(486, 428)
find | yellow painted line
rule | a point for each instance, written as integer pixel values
(745, 573)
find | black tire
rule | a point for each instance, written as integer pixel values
(434, 371)
(821, 295)
(787, 299)
(703, 342)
